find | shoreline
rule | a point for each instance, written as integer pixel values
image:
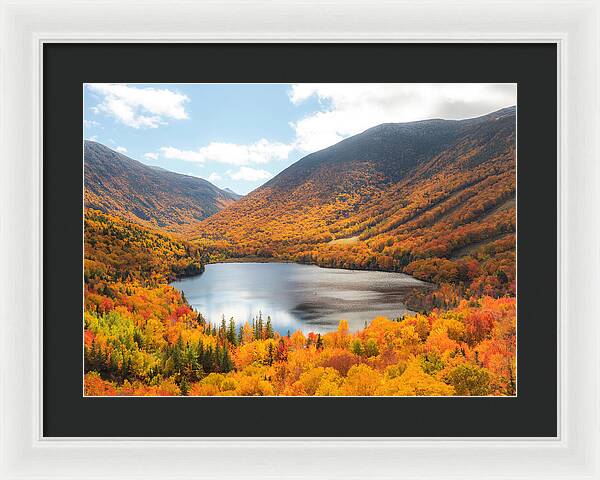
(251, 260)
(279, 260)
(236, 260)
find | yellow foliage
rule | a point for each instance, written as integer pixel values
(298, 340)
(321, 380)
(414, 381)
(253, 352)
(151, 342)
(362, 380)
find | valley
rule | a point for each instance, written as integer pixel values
(298, 297)
(358, 205)
(433, 200)
(154, 197)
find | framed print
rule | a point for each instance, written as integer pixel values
(378, 271)
(253, 314)
(341, 247)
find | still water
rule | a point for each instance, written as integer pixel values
(296, 296)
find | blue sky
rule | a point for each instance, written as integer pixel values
(241, 135)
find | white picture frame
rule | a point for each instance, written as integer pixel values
(573, 25)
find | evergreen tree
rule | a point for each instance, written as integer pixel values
(226, 363)
(177, 354)
(512, 384)
(223, 329)
(184, 386)
(260, 326)
(217, 359)
(356, 347)
(269, 329)
(231, 336)
(200, 351)
(198, 357)
(125, 369)
(240, 335)
(207, 361)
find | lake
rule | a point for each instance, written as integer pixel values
(295, 296)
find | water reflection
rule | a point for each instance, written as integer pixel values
(296, 296)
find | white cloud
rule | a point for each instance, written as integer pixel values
(260, 152)
(139, 107)
(91, 124)
(348, 109)
(187, 155)
(214, 177)
(343, 110)
(249, 174)
(121, 149)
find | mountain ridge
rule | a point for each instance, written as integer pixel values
(118, 184)
(424, 141)
(408, 195)
(229, 190)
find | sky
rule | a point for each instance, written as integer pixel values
(241, 135)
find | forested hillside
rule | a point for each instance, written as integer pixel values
(118, 250)
(142, 338)
(435, 199)
(147, 195)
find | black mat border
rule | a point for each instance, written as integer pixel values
(532, 414)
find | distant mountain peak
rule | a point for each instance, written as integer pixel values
(375, 182)
(227, 189)
(156, 167)
(117, 184)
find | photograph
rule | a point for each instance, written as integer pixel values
(299, 240)
(377, 216)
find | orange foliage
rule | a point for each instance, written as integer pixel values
(142, 338)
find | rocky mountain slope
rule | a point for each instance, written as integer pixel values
(411, 197)
(117, 184)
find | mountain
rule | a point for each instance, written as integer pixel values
(396, 194)
(237, 195)
(115, 183)
(156, 167)
(387, 153)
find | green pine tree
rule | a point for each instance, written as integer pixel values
(231, 336)
(207, 360)
(226, 363)
(223, 328)
(184, 386)
(260, 327)
(269, 329)
(240, 335)
(217, 359)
